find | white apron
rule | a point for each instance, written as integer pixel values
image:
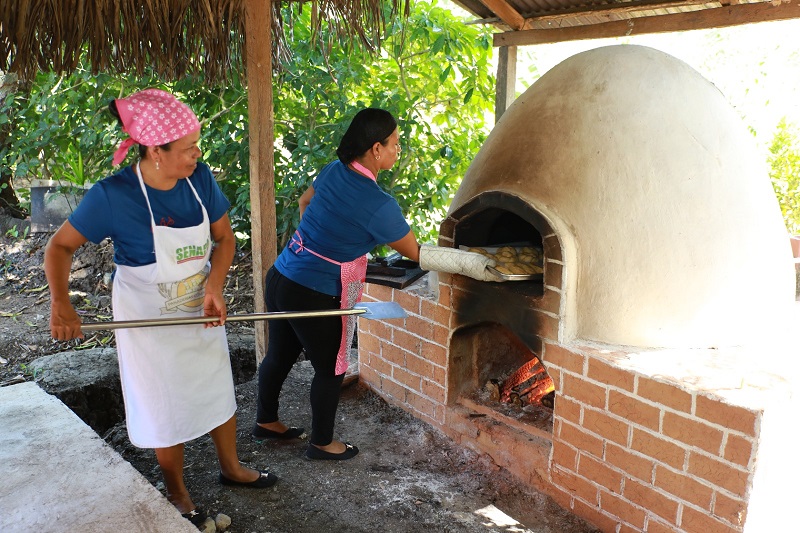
(176, 380)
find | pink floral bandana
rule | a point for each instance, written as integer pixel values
(153, 117)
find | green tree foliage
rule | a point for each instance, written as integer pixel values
(433, 74)
(61, 128)
(784, 161)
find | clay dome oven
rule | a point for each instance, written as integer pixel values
(665, 228)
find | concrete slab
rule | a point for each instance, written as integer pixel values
(59, 475)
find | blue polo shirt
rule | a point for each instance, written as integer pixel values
(348, 216)
(115, 208)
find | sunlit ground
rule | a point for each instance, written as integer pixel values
(495, 518)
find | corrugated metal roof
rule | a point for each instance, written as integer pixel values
(548, 14)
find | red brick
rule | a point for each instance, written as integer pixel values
(632, 464)
(567, 409)
(593, 515)
(562, 497)
(553, 274)
(727, 416)
(659, 449)
(441, 335)
(393, 390)
(555, 374)
(552, 246)
(622, 510)
(407, 341)
(655, 526)
(393, 354)
(421, 404)
(421, 327)
(730, 509)
(565, 456)
(433, 390)
(436, 313)
(381, 293)
(382, 330)
(439, 375)
(406, 378)
(581, 440)
(445, 294)
(551, 301)
(368, 343)
(738, 450)
(693, 521)
(684, 487)
(647, 497)
(606, 426)
(434, 353)
(379, 365)
(634, 410)
(365, 297)
(664, 394)
(408, 301)
(546, 325)
(575, 484)
(367, 372)
(719, 473)
(610, 375)
(419, 366)
(427, 308)
(555, 355)
(583, 391)
(599, 473)
(692, 432)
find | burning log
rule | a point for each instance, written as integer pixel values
(539, 386)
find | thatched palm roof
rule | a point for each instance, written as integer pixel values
(174, 37)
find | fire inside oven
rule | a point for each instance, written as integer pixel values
(498, 345)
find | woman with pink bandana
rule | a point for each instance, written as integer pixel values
(173, 246)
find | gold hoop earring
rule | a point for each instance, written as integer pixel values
(377, 157)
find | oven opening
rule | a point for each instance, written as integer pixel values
(492, 368)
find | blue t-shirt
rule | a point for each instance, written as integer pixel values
(116, 208)
(348, 216)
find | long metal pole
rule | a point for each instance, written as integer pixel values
(252, 317)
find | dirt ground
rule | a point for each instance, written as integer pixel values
(408, 476)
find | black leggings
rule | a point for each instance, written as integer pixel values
(319, 337)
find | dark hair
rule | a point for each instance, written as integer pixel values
(368, 127)
(112, 108)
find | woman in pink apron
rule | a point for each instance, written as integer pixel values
(173, 246)
(344, 215)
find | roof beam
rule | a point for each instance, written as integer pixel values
(507, 14)
(720, 17)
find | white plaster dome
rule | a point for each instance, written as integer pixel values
(670, 230)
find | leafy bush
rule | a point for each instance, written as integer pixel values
(433, 74)
(784, 160)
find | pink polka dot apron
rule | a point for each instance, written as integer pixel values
(176, 381)
(353, 275)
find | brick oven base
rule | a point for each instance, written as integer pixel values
(642, 440)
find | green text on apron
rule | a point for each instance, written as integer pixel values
(177, 381)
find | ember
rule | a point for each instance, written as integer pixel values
(528, 385)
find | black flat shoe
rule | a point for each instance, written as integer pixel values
(196, 516)
(265, 480)
(291, 433)
(350, 451)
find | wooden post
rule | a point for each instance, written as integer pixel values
(263, 235)
(505, 91)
